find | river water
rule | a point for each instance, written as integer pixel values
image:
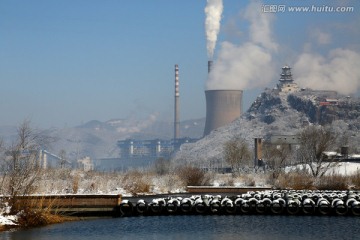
(198, 227)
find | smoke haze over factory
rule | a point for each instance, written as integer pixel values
(77, 61)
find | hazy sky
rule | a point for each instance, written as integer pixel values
(64, 62)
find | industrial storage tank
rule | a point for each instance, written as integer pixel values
(222, 107)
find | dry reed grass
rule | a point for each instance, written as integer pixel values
(332, 182)
(301, 180)
(354, 180)
(136, 182)
(249, 180)
(294, 180)
(37, 211)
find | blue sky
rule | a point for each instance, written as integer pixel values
(67, 62)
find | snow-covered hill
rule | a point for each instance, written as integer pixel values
(277, 113)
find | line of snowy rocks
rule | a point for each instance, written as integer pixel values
(305, 202)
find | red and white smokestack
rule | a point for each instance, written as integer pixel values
(176, 108)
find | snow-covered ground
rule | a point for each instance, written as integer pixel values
(342, 168)
(75, 182)
(8, 220)
(5, 218)
(345, 168)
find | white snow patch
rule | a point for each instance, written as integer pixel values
(5, 219)
(9, 220)
(345, 168)
(342, 168)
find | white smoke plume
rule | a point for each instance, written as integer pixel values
(213, 11)
(338, 71)
(250, 64)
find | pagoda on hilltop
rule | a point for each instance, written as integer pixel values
(287, 83)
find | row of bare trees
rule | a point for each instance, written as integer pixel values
(313, 142)
(20, 167)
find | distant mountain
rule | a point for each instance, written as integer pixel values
(98, 139)
(165, 130)
(275, 112)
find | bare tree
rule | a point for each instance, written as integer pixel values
(314, 141)
(2, 166)
(237, 153)
(21, 163)
(277, 156)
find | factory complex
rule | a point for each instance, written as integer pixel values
(222, 108)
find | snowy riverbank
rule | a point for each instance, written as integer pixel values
(127, 184)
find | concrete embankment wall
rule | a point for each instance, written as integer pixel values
(226, 201)
(77, 205)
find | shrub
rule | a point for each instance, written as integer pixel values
(136, 182)
(168, 183)
(332, 182)
(230, 182)
(249, 181)
(31, 218)
(301, 180)
(35, 212)
(355, 180)
(294, 180)
(193, 176)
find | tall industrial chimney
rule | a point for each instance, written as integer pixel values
(210, 63)
(222, 107)
(176, 106)
(258, 151)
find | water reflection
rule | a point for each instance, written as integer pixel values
(197, 227)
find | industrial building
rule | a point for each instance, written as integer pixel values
(223, 106)
(136, 153)
(140, 153)
(150, 149)
(156, 148)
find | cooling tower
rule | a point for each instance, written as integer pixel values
(222, 107)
